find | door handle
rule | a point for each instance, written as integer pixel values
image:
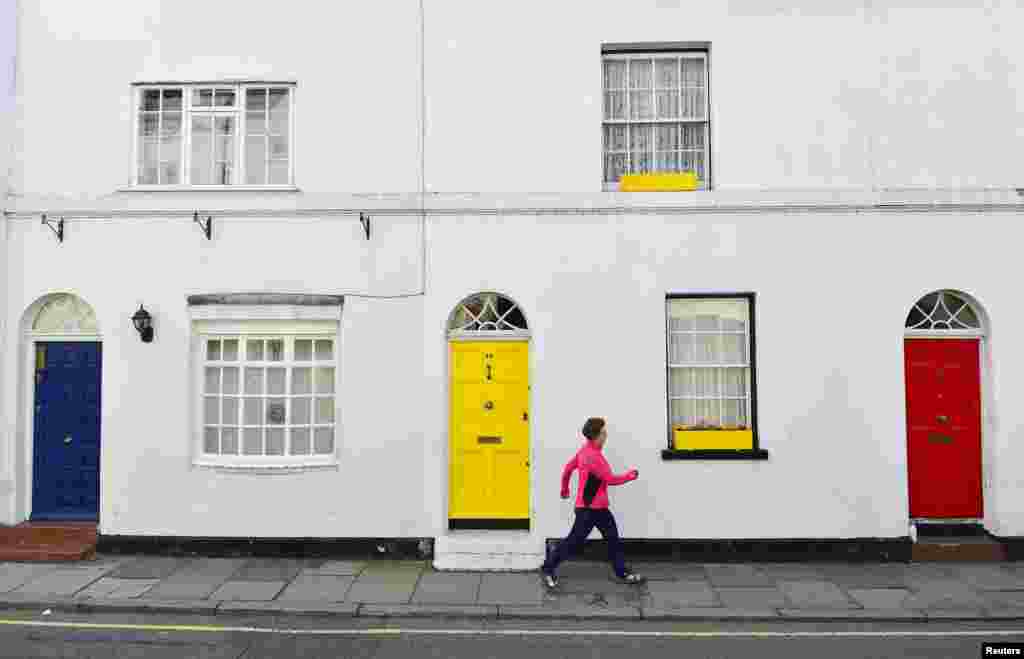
(942, 418)
(67, 440)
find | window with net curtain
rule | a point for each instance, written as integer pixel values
(655, 114)
(709, 362)
(214, 134)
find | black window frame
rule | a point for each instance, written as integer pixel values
(755, 453)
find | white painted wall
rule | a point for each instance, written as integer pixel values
(8, 18)
(801, 98)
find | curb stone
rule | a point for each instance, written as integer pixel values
(340, 609)
(575, 613)
(147, 606)
(428, 611)
(709, 613)
(872, 615)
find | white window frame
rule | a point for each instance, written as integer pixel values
(747, 365)
(654, 54)
(278, 321)
(238, 113)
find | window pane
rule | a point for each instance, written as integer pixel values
(255, 160)
(255, 123)
(667, 73)
(172, 100)
(734, 349)
(202, 151)
(148, 174)
(615, 74)
(230, 383)
(149, 124)
(225, 98)
(640, 74)
(229, 407)
(256, 99)
(275, 441)
(231, 350)
(641, 105)
(170, 172)
(253, 412)
(202, 98)
(324, 350)
(667, 137)
(275, 350)
(734, 382)
(709, 348)
(211, 413)
(615, 105)
(276, 412)
(705, 314)
(254, 380)
(170, 124)
(212, 381)
(323, 441)
(300, 441)
(278, 172)
(150, 100)
(682, 382)
(667, 104)
(211, 443)
(254, 350)
(229, 441)
(301, 411)
(614, 138)
(325, 380)
(706, 383)
(276, 380)
(253, 442)
(303, 350)
(278, 102)
(279, 147)
(302, 381)
(325, 410)
(614, 167)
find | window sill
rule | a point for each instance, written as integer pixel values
(209, 188)
(715, 454)
(266, 468)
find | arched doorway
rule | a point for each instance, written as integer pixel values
(942, 368)
(489, 438)
(63, 423)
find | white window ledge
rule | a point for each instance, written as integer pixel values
(209, 188)
(266, 467)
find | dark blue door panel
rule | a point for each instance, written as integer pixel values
(66, 442)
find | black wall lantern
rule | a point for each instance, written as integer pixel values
(144, 324)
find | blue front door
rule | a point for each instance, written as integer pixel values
(66, 448)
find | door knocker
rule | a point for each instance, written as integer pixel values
(489, 405)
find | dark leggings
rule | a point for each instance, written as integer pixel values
(586, 520)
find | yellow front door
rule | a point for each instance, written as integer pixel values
(489, 476)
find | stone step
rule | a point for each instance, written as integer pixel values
(963, 548)
(48, 541)
(493, 551)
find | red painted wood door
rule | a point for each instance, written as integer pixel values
(943, 427)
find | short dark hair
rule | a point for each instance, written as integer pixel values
(592, 428)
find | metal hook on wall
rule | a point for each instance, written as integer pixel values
(207, 226)
(365, 221)
(57, 228)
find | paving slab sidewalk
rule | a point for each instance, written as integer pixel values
(390, 589)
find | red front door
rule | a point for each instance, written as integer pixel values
(943, 427)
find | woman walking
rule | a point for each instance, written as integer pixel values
(592, 505)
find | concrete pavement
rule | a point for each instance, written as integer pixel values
(385, 589)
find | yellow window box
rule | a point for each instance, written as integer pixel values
(659, 182)
(687, 439)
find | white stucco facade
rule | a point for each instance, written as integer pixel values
(858, 163)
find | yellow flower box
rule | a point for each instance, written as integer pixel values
(659, 182)
(689, 439)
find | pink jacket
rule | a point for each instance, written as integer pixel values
(595, 477)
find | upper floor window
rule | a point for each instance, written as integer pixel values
(220, 135)
(656, 117)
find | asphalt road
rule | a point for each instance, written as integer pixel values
(25, 635)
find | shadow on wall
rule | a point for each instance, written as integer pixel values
(832, 440)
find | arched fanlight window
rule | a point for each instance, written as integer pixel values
(943, 311)
(65, 314)
(487, 312)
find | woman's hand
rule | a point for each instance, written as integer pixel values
(634, 474)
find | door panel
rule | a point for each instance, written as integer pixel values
(489, 438)
(943, 389)
(66, 431)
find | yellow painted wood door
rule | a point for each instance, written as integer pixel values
(489, 434)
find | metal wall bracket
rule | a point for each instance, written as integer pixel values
(207, 225)
(365, 221)
(57, 227)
